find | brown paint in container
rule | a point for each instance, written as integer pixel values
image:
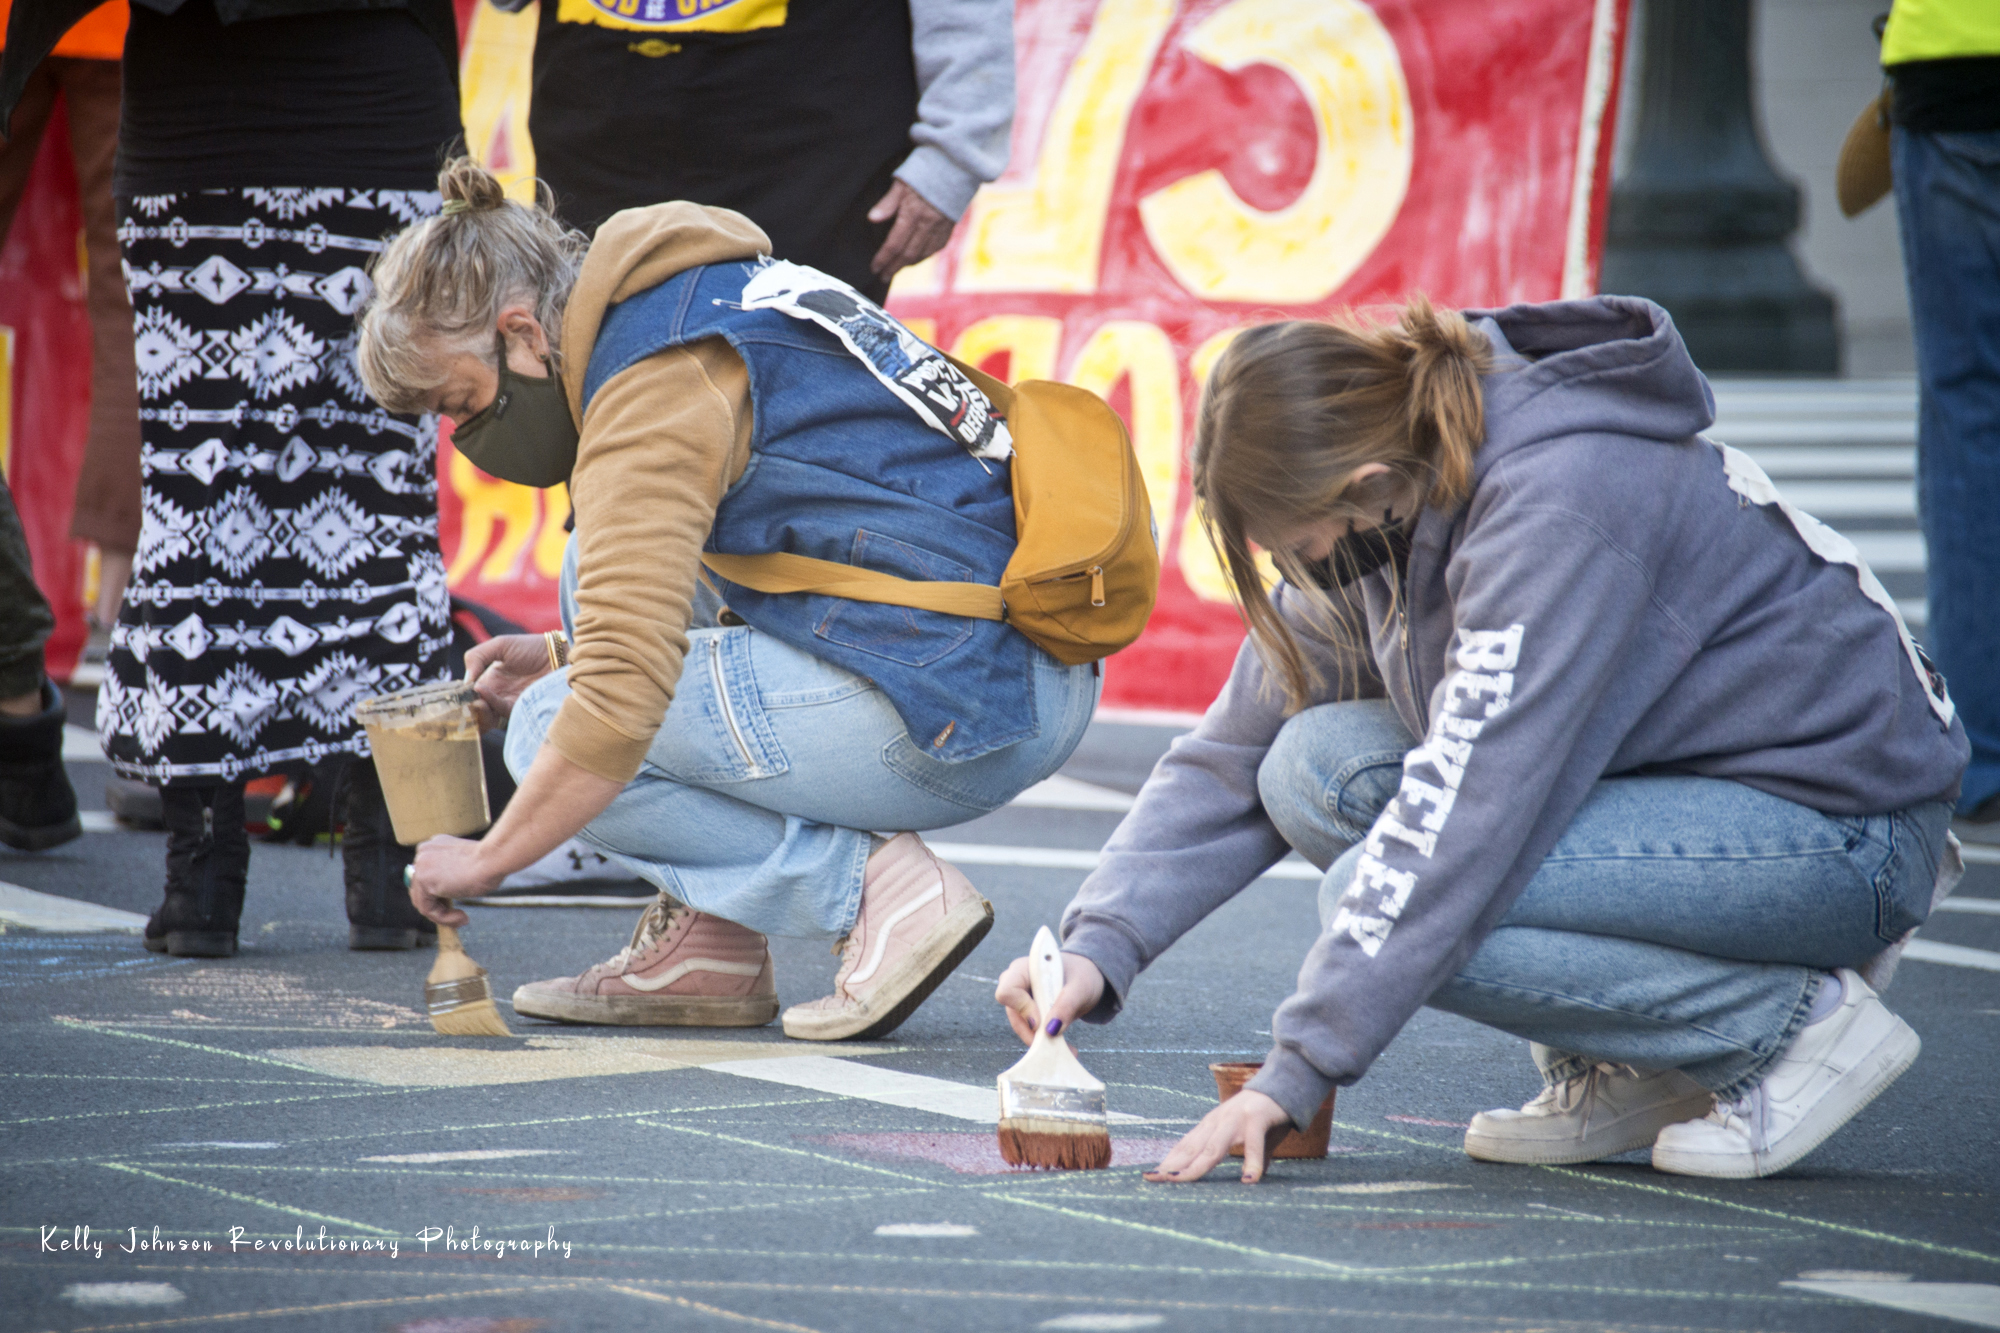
(426, 745)
(1310, 1142)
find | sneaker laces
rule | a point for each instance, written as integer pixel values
(1746, 1113)
(1566, 1095)
(655, 921)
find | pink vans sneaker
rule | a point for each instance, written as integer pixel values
(919, 919)
(683, 968)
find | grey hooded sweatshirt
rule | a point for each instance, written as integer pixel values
(1617, 596)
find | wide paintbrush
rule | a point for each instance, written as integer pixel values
(456, 993)
(1052, 1111)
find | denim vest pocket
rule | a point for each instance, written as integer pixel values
(899, 633)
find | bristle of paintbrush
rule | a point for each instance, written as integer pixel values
(1052, 1111)
(457, 993)
(1056, 1145)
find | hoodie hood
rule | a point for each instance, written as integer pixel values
(639, 249)
(1612, 364)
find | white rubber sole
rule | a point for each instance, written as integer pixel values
(1490, 1142)
(908, 983)
(664, 1011)
(1862, 1084)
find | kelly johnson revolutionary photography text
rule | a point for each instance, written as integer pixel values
(85, 1240)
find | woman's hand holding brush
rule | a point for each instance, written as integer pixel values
(1083, 987)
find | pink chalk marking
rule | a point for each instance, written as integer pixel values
(973, 1154)
(1419, 1120)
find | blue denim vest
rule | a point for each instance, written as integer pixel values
(841, 469)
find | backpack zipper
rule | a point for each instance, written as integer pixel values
(1097, 585)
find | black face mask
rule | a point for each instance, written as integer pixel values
(1361, 553)
(525, 434)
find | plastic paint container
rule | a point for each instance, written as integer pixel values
(426, 744)
(1311, 1142)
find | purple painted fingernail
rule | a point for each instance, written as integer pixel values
(1055, 1026)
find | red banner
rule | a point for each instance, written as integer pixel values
(45, 387)
(1182, 169)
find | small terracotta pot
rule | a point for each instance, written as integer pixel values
(1311, 1142)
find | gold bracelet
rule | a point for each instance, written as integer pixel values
(558, 646)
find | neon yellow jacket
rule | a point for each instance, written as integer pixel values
(1941, 30)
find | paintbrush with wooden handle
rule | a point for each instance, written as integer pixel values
(1052, 1111)
(456, 993)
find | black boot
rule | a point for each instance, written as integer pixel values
(37, 804)
(208, 860)
(379, 912)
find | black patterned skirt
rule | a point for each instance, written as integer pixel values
(288, 562)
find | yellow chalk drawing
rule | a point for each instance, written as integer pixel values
(1047, 234)
(538, 1060)
(489, 506)
(495, 79)
(1345, 63)
(1131, 347)
(1029, 340)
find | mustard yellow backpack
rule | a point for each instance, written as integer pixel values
(1085, 568)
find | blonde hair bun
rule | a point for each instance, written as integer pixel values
(441, 284)
(470, 187)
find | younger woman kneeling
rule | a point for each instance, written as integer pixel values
(1598, 742)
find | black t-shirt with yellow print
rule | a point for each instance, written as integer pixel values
(795, 113)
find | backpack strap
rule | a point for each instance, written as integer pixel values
(782, 572)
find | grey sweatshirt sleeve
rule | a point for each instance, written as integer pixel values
(1196, 836)
(964, 53)
(1546, 607)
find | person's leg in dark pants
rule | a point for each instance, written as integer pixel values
(1948, 206)
(107, 488)
(37, 805)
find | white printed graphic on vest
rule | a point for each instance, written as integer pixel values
(912, 369)
(1478, 691)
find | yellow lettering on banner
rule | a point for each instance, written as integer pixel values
(6, 400)
(1345, 62)
(1047, 233)
(550, 539)
(925, 329)
(495, 80)
(922, 278)
(1030, 342)
(1129, 347)
(487, 504)
(1200, 565)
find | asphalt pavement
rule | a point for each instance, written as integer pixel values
(577, 1179)
(614, 1179)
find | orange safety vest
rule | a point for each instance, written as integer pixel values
(98, 35)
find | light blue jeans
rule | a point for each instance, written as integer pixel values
(757, 797)
(1680, 922)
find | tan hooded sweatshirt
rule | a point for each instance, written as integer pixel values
(660, 444)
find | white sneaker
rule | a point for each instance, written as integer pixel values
(1606, 1110)
(1831, 1070)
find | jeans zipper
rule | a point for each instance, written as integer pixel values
(722, 697)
